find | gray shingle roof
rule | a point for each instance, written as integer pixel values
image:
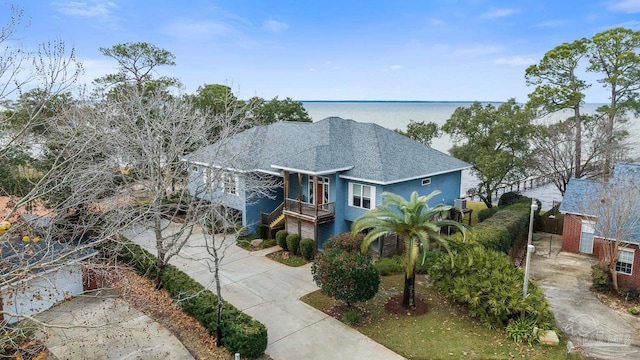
(17, 255)
(363, 151)
(586, 197)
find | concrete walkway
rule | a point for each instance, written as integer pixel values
(270, 292)
(601, 332)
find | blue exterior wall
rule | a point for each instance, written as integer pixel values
(257, 205)
(448, 185)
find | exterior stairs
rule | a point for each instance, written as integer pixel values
(277, 222)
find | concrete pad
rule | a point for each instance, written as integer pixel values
(241, 297)
(329, 339)
(106, 328)
(281, 323)
(591, 325)
(247, 267)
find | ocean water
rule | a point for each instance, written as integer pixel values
(397, 114)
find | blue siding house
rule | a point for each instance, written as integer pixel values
(322, 175)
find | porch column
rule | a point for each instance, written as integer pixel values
(315, 184)
(285, 175)
(299, 193)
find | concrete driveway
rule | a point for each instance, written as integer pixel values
(106, 327)
(270, 292)
(598, 330)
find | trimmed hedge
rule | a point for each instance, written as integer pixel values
(241, 333)
(281, 239)
(293, 243)
(307, 248)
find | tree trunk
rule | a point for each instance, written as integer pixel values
(614, 276)
(578, 159)
(160, 260)
(611, 115)
(216, 275)
(409, 294)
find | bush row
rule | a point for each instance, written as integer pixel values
(491, 286)
(241, 333)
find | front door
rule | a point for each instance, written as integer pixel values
(586, 237)
(318, 192)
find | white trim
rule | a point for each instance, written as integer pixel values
(378, 182)
(318, 173)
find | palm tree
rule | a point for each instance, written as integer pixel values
(415, 222)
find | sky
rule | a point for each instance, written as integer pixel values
(333, 50)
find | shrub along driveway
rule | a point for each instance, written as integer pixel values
(270, 292)
(592, 326)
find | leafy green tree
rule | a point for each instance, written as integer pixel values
(276, 110)
(415, 222)
(35, 108)
(137, 63)
(494, 140)
(615, 54)
(559, 88)
(214, 97)
(347, 276)
(421, 132)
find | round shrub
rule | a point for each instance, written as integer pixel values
(293, 243)
(347, 276)
(307, 248)
(281, 239)
(344, 241)
(509, 198)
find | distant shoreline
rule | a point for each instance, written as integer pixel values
(398, 101)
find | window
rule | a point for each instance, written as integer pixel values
(362, 196)
(426, 181)
(230, 185)
(625, 261)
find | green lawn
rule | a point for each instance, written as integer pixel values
(445, 332)
(476, 206)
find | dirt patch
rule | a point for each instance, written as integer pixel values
(394, 306)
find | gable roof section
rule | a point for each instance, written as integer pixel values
(591, 198)
(577, 197)
(362, 151)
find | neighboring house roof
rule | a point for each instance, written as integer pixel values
(591, 198)
(360, 151)
(579, 196)
(17, 255)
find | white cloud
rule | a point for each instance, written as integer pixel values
(91, 9)
(274, 26)
(495, 13)
(628, 6)
(515, 61)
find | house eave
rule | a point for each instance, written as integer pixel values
(378, 182)
(314, 173)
